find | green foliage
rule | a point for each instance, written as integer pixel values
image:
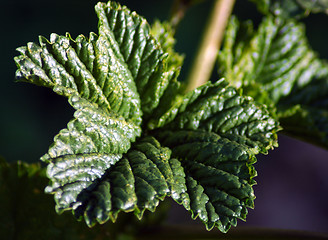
(292, 8)
(22, 197)
(135, 139)
(275, 65)
(220, 109)
(218, 176)
(26, 212)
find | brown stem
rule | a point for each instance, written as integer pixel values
(207, 53)
(178, 11)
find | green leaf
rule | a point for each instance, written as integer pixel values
(81, 153)
(291, 8)
(164, 33)
(215, 133)
(268, 60)
(219, 175)
(111, 70)
(220, 109)
(143, 55)
(141, 178)
(28, 213)
(121, 80)
(304, 113)
(89, 68)
(277, 67)
(137, 182)
(314, 6)
(103, 77)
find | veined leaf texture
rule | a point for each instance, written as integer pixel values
(276, 66)
(135, 139)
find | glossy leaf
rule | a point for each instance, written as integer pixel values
(81, 153)
(103, 78)
(123, 62)
(215, 133)
(219, 176)
(140, 50)
(26, 212)
(122, 83)
(220, 109)
(89, 68)
(141, 179)
(277, 67)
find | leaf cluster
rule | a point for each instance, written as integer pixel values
(276, 66)
(135, 138)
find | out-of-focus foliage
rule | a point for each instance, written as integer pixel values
(292, 8)
(275, 65)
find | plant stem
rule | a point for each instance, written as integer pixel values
(178, 11)
(207, 53)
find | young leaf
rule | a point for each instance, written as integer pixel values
(120, 81)
(276, 66)
(137, 182)
(92, 143)
(164, 34)
(103, 78)
(219, 176)
(123, 62)
(268, 60)
(89, 68)
(220, 109)
(215, 133)
(140, 50)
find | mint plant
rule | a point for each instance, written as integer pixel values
(137, 137)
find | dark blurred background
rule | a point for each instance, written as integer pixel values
(292, 182)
